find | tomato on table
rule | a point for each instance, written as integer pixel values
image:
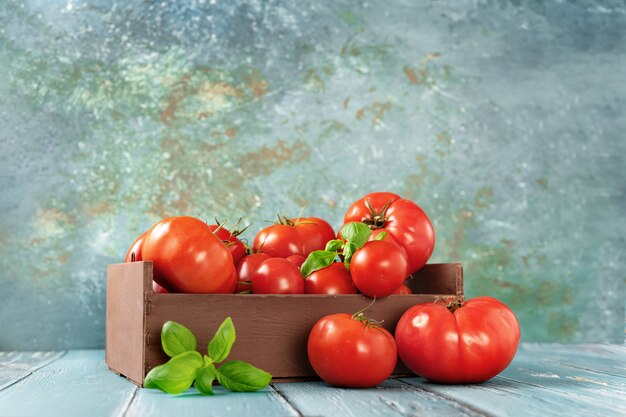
(188, 257)
(458, 343)
(402, 219)
(351, 351)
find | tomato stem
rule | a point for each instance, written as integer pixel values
(366, 320)
(376, 219)
(452, 303)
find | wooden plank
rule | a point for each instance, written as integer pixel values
(539, 383)
(550, 375)
(606, 359)
(504, 397)
(154, 403)
(77, 384)
(15, 366)
(392, 398)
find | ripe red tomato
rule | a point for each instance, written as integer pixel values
(402, 219)
(246, 267)
(158, 289)
(135, 249)
(236, 246)
(314, 232)
(297, 260)
(277, 276)
(188, 257)
(472, 344)
(279, 240)
(295, 237)
(333, 279)
(378, 268)
(403, 290)
(350, 352)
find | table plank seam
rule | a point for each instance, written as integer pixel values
(289, 403)
(460, 404)
(595, 371)
(32, 371)
(130, 402)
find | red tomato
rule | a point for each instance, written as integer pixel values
(403, 290)
(188, 257)
(296, 237)
(297, 260)
(158, 289)
(314, 232)
(136, 249)
(279, 240)
(378, 268)
(246, 267)
(347, 352)
(472, 344)
(277, 276)
(334, 279)
(236, 246)
(402, 219)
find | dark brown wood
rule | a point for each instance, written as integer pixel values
(272, 330)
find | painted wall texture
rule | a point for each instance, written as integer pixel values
(504, 120)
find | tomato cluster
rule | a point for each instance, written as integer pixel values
(384, 240)
(192, 256)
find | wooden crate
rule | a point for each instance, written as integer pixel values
(272, 330)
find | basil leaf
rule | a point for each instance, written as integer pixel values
(381, 236)
(222, 342)
(176, 375)
(356, 233)
(317, 259)
(242, 377)
(204, 379)
(177, 339)
(348, 250)
(333, 245)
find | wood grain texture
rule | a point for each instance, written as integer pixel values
(391, 398)
(78, 384)
(125, 317)
(538, 383)
(15, 366)
(155, 403)
(543, 380)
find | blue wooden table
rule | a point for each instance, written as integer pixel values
(543, 380)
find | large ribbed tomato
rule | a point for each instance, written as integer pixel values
(459, 343)
(404, 220)
(188, 257)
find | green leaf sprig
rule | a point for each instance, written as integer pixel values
(188, 367)
(355, 234)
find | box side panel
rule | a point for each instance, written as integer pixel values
(445, 279)
(126, 284)
(272, 330)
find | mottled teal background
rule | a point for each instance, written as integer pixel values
(504, 120)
